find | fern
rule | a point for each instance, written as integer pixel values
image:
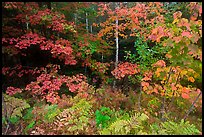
(172, 128)
(76, 119)
(51, 112)
(133, 125)
(14, 106)
(28, 115)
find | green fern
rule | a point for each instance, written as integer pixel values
(14, 106)
(51, 111)
(172, 128)
(133, 126)
(28, 115)
(77, 119)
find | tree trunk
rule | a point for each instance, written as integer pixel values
(117, 46)
(87, 24)
(192, 106)
(27, 23)
(75, 19)
(102, 57)
(91, 29)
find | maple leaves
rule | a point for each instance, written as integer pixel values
(12, 90)
(124, 69)
(20, 70)
(12, 5)
(52, 83)
(159, 63)
(27, 40)
(166, 80)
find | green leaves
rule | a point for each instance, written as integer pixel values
(14, 119)
(102, 116)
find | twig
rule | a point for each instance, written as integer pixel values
(191, 108)
(172, 98)
(164, 98)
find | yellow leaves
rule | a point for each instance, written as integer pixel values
(191, 70)
(196, 75)
(183, 72)
(175, 21)
(158, 72)
(122, 35)
(191, 79)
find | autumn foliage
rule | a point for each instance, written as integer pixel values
(59, 60)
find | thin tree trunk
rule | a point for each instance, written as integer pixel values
(87, 23)
(192, 106)
(102, 57)
(27, 23)
(117, 46)
(164, 98)
(139, 98)
(91, 29)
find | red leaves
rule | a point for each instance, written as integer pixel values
(187, 34)
(100, 67)
(28, 39)
(13, 5)
(185, 96)
(77, 83)
(125, 69)
(63, 50)
(5, 70)
(147, 76)
(51, 83)
(12, 90)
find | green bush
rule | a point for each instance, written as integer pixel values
(172, 128)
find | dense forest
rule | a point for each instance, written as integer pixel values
(101, 68)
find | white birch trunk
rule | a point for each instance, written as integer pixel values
(75, 18)
(102, 57)
(87, 24)
(91, 29)
(27, 23)
(117, 46)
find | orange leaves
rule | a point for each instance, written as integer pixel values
(168, 56)
(177, 39)
(191, 79)
(157, 34)
(177, 14)
(173, 87)
(185, 96)
(186, 90)
(147, 76)
(159, 63)
(145, 84)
